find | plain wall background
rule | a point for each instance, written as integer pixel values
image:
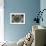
(29, 7)
(43, 6)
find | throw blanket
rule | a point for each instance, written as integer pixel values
(26, 41)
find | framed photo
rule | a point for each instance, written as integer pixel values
(17, 18)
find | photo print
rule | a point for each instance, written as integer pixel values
(17, 18)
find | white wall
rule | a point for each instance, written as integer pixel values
(1, 20)
(43, 6)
